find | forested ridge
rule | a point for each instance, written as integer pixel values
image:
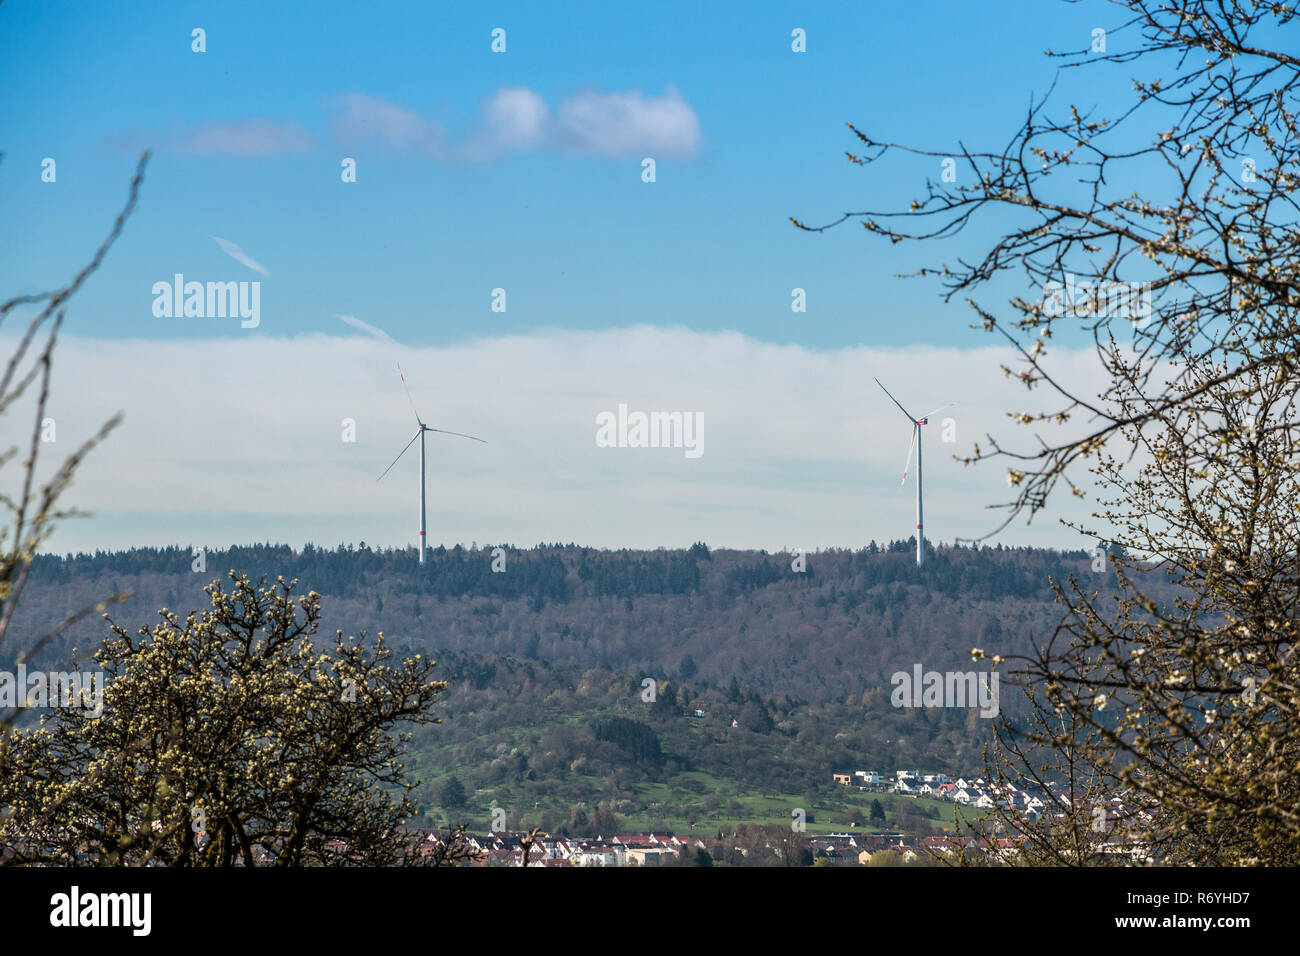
(846, 621)
(766, 678)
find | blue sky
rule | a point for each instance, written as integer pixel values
(576, 238)
(519, 170)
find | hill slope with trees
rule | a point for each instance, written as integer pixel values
(765, 678)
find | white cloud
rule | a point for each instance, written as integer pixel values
(615, 124)
(247, 138)
(516, 117)
(629, 124)
(360, 118)
(801, 448)
(591, 122)
(239, 255)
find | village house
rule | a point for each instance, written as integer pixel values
(595, 854)
(908, 786)
(651, 855)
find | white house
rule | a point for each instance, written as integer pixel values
(650, 856)
(595, 855)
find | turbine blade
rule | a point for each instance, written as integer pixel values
(418, 420)
(916, 430)
(443, 431)
(399, 455)
(939, 409)
(897, 402)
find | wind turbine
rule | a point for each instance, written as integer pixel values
(916, 443)
(420, 435)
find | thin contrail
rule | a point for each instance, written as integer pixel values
(239, 255)
(373, 331)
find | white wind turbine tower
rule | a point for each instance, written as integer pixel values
(916, 443)
(420, 435)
